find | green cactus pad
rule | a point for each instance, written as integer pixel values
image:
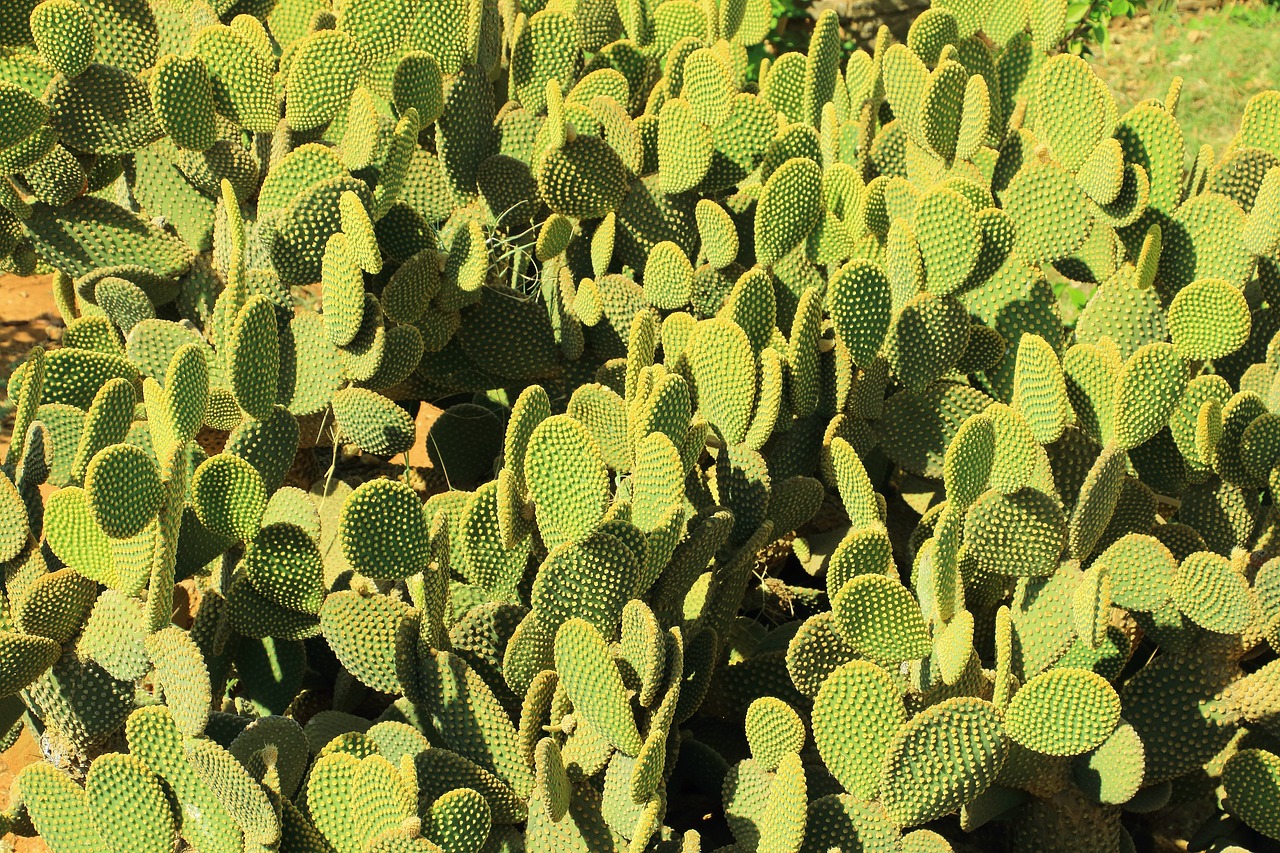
(237, 791)
(123, 487)
(55, 605)
(1035, 548)
(859, 302)
(879, 618)
(857, 712)
(790, 205)
(228, 496)
(941, 759)
(25, 658)
(1040, 390)
(372, 636)
(567, 479)
(1208, 319)
(1142, 571)
(181, 673)
(1212, 593)
(242, 85)
(13, 518)
(383, 530)
(1112, 773)
(58, 809)
(1063, 712)
(1251, 779)
(584, 178)
(154, 738)
(593, 684)
(128, 805)
(284, 564)
(1050, 212)
(460, 821)
(845, 821)
(668, 277)
(926, 340)
(323, 72)
(182, 94)
(372, 421)
(63, 31)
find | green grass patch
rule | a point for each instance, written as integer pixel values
(1226, 57)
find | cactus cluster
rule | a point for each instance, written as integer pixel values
(774, 507)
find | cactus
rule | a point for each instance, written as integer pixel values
(752, 417)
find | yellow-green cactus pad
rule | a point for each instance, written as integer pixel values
(774, 731)
(926, 340)
(1142, 571)
(1063, 712)
(323, 72)
(418, 84)
(593, 684)
(1023, 533)
(58, 809)
(182, 95)
(1147, 391)
(63, 32)
(383, 531)
(942, 759)
(123, 487)
(1251, 778)
(24, 659)
(1112, 773)
(183, 676)
(860, 308)
(373, 636)
(242, 86)
(373, 421)
(1073, 109)
(228, 496)
(584, 178)
(880, 618)
(1050, 212)
(128, 805)
(14, 529)
(460, 821)
(154, 738)
(243, 798)
(1212, 593)
(55, 605)
(686, 147)
(253, 357)
(1208, 319)
(1040, 390)
(790, 205)
(567, 479)
(856, 714)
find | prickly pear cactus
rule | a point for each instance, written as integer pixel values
(772, 504)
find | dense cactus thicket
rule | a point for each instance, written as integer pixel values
(775, 505)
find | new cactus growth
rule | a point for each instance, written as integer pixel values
(773, 506)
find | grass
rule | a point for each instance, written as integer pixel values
(1224, 56)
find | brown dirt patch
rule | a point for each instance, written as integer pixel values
(18, 756)
(28, 317)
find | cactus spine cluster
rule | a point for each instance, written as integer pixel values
(776, 506)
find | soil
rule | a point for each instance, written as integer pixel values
(27, 317)
(18, 756)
